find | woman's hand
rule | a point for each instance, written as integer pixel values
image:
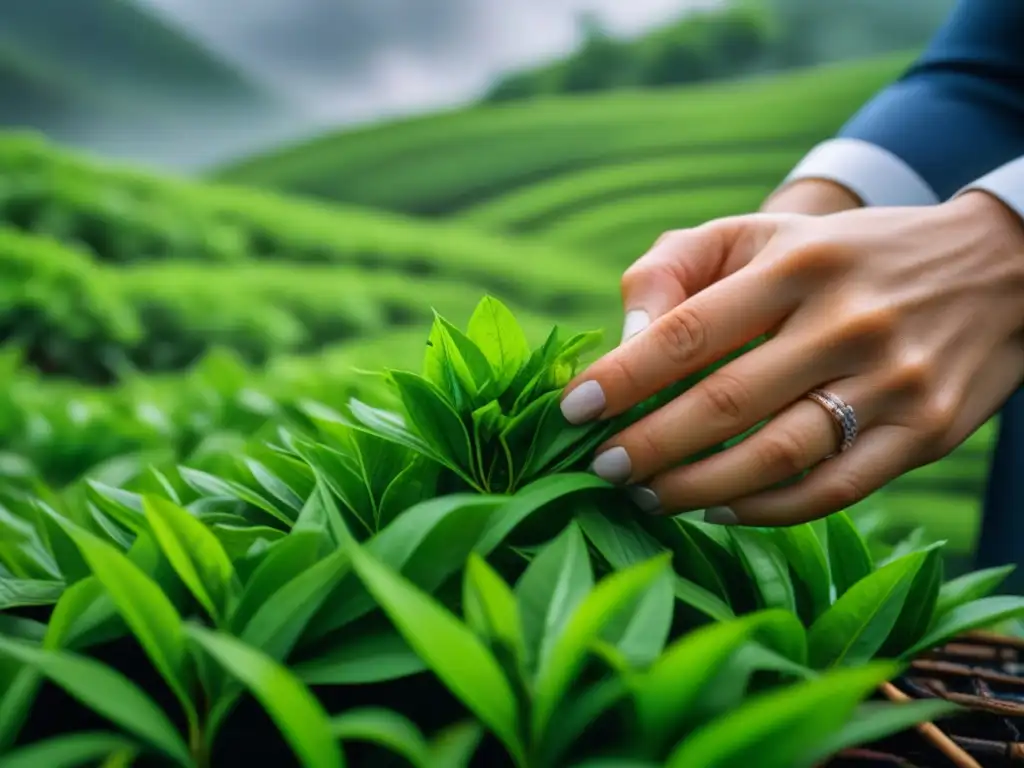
(912, 316)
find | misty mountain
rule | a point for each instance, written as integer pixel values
(115, 77)
(355, 60)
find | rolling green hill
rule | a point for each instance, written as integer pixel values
(442, 164)
(107, 266)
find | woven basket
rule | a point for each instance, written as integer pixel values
(984, 674)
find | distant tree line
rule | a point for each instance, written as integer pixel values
(744, 37)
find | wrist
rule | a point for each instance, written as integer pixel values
(987, 230)
(814, 197)
(991, 216)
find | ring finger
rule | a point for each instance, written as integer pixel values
(797, 439)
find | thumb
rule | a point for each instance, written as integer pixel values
(683, 262)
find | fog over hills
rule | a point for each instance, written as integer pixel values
(151, 80)
(357, 60)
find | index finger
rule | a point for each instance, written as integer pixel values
(682, 263)
(703, 329)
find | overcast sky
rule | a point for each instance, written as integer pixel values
(353, 60)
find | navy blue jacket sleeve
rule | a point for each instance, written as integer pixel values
(958, 112)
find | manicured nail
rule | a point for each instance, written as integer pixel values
(584, 403)
(613, 465)
(636, 321)
(720, 516)
(645, 498)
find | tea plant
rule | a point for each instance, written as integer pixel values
(440, 581)
(522, 663)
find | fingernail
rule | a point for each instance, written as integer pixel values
(613, 465)
(720, 516)
(636, 321)
(645, 498)
(584, 403)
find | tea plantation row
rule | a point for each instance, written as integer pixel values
(442, 164)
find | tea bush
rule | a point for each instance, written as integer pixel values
(125, 216)
(537, 206)
(428, 573)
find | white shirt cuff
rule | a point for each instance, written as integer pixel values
(875, 175)
(1006, 183)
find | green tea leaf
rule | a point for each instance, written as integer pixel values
(390, 426)
(386, 728)
(123, 506)
(527, 380)
(623, 542)
(690, 560)
(978, 614)
(919, 606)
(68, 751)
(145, 608)
(427, 543)
(338, 473)
(802, 548)
(912, 541)
(498, 335)
(83, 604)
(240, 540)
(196, 555)
(19, 684)
(490, 453)
(521, 434)
(642, 636)
(109, 693)
(491, 609)
(294, 710)
(556, 581)
(22, 628)
(451, 650)
(274, 485)
(528, 500)
(368, 658)
(435, 420)
(766, 566)
(848, 553)
(872, 721)
(559, 667)
(854, 628)
(665, 694)
(776, 729)
(472, 360)
(577, 714)
(414, 484)
(16, 593)
(283, 561)
(969, 587)
(277, 624)
(455, 745)
(210, 485)
(445, 368)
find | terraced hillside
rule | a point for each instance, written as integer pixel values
(444, 164)
(202, 307)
